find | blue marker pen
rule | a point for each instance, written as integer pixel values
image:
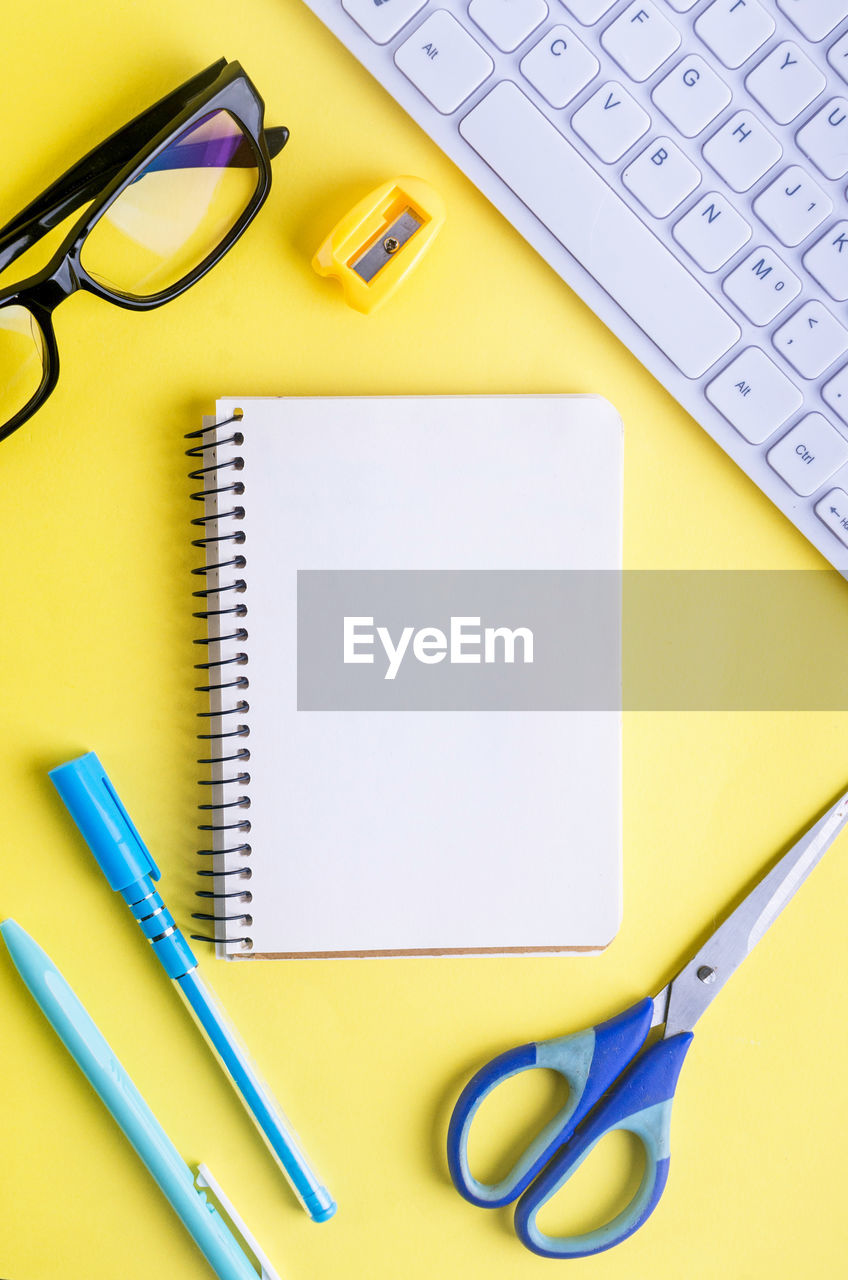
(126, 862)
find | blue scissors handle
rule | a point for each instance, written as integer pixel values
(641, 1103)
(589, 1061)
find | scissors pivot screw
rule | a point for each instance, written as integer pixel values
(706, 974)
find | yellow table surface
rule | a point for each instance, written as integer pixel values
(367, 1057)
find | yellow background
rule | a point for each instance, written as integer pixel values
(366, 1057)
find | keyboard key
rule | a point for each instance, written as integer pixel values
(641, 39)
(809, 454)
(785, 82)
(443, 61)
(588, 11)
(681, 6)
(661, 177)
(832, 510)
(793, 206)
(838, 56)
(734, 31)
(835, 393)
(599, 230)
(815, 19)
(811, 339)
(742, 151)
(825, 138)
(761, 286)
(691, 95)
(827, 261)
(610, 122)
(508, 22)
(754, 396)
(712, 231)
(382, 22)
(559, 66)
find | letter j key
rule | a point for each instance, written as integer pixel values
(793, 206)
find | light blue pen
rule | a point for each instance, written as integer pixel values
(98, 1063)
(126, 863)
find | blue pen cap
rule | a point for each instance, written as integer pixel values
(103, 821)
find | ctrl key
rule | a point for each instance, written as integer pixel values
(832, 510)
(809, 454)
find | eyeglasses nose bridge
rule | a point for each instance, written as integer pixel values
(44, 296)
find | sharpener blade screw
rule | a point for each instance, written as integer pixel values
(391, 244)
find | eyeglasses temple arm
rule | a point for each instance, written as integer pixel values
(86, 178)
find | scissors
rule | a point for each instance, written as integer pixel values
(612, 1085)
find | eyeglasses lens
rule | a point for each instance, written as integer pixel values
(21, 360)
(176, 212)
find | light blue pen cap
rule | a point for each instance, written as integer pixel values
(103, 821)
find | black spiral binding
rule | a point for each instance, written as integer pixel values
(223, 818)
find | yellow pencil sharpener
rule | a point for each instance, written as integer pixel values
(377, 244)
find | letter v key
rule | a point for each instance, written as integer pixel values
(610, 136)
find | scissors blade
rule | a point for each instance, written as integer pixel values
(696, 986)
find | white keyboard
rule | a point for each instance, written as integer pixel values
(682, 164)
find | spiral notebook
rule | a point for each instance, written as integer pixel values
(393, 767)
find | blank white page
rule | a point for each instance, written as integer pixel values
(424, 831)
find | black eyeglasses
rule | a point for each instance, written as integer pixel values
(168, 195)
